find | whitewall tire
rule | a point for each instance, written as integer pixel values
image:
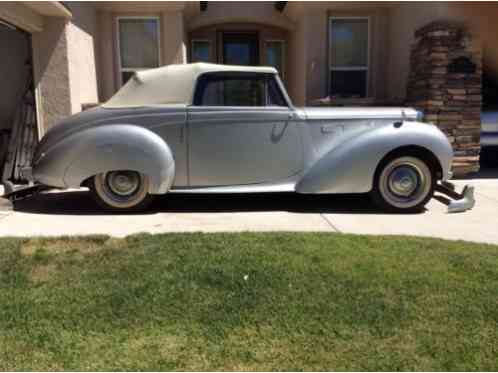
(121, 190)
(403, 184)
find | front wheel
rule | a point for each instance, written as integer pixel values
(403, 184)
(121, 190)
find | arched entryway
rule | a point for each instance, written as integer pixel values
(240, 44)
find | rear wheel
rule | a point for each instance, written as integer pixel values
(403, 184)
(121, 190)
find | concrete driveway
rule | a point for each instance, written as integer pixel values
(74, 213)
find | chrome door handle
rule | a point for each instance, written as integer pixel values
(182, 137)
(328, 129)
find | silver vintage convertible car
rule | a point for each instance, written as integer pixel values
(209, 128)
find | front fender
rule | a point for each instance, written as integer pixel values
(106, 148)
(350, 167)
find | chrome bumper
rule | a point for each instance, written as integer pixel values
(459, 202)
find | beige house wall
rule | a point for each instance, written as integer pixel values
(51, 73)
(81, 33)
(297, 62)
(106, 56)
(173, 46)
(261, 12)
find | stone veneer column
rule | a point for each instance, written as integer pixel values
(443, 85)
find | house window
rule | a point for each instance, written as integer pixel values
(275, 55)
(349, 55)
(138, 44)
(201, 51)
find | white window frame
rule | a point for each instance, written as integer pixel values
(349, 68)
(121, 69)
(200, 41)
(284, 67)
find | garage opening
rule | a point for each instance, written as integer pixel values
(18, 125)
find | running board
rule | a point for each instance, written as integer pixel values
(459, 202)
(15, 192)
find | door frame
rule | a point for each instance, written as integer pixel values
(254, 34)
(223, 117)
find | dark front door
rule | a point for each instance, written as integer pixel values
(240, 48)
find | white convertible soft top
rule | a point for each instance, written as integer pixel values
(172, 84)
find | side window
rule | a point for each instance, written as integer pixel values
(275, 97)
(237, 90)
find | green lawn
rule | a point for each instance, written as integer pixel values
(248, 302)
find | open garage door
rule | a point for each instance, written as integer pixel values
(18, 127)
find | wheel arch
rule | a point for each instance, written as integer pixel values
(413, 150)
(119, 147)
(350, 167)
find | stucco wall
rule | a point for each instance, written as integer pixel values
(173, 46)
(296, 65)
(14, 49)
(51, 72)
(81, 39)
(106, 59)
(262, 12)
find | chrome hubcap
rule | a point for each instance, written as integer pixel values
(123, 183)
(403, 181)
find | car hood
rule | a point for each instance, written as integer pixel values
(395, 113)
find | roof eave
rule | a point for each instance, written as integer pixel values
(49, 8)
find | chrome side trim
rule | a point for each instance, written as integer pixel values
(256, 188)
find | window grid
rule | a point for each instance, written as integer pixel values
(332, 68)
(122, 69)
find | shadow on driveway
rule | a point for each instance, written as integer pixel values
(81, 203)
(486, 172)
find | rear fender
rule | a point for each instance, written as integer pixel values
(350, 167)
(109, 148)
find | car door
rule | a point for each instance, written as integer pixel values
(241, 131)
